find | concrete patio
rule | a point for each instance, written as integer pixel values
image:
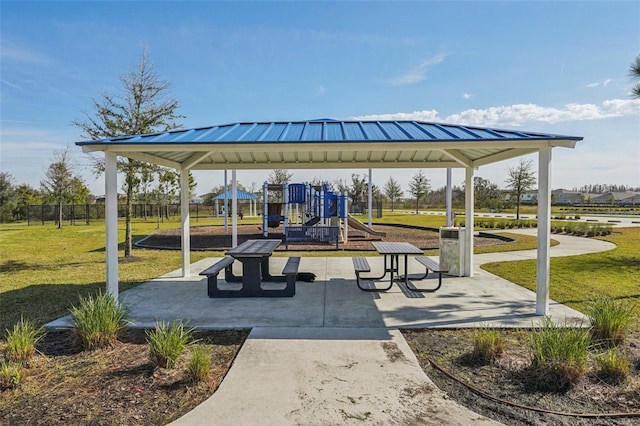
(334, 300)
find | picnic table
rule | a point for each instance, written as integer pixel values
(392, 252)
(254, 256)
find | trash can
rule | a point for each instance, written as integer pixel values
(452, 243)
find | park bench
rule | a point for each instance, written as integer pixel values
(212, 273)
(360, 264)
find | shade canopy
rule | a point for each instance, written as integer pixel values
(241, 195)
(329, 144)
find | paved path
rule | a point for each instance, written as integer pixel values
(335, 376)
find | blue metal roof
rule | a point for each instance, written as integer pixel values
(241, 195)
(326, 144)
(324, 130)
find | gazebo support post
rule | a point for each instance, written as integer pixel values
(370, 199)
(447, 202)
(468, 222)
(185, 231)
(234, 209)
(544, 228)
(111, 219)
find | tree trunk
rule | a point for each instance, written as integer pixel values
(59, 213)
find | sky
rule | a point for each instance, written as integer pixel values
(557, 67)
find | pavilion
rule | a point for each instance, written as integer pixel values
(330, 144)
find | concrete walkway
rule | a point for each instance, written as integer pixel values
(333, 353)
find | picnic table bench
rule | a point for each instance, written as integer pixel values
(432, 265)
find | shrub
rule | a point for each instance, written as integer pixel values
(166, 343)
(22, 340)
(610, 320)
(98, 320)
(10, 375)
(613, 367)
(487, 345)
(199, 363)
(559, 355)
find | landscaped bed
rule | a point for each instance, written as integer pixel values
(117, 385)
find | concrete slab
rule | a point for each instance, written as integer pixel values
(328, 376)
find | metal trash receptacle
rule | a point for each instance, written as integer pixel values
(452, 244)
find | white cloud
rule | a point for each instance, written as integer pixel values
(467, 95)
(606, 82)
(321, 90)
(519, 114)
(418, 73)
(426, 115)
(590, 85)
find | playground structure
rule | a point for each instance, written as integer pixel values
(310, 213)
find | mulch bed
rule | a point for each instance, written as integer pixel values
(214, 238)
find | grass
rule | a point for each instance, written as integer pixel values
(10, 375)
(487, 345)
(613, 366)
(577, 280)
(610, 320)
(199, 363)
(44, 270)
(98, 320)
(167, 343)
(22, 340)
(559, 355)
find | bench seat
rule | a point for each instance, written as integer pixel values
(360, 264)
(432, 265)
(212, 274)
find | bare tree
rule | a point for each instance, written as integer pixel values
(143, 107)
(279, 176)
(418, 186)
(60, 185)
(521, 179)
(392, 190)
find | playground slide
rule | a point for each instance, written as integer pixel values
(355, 223)
(312, 221)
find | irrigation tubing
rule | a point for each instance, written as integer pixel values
(525, 407)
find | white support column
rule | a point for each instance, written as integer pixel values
(447, 202)
(234, 209)
(370, 199)
(185, 232)
(544, 227)
(111, 219)
(468, 222)
(226, 205)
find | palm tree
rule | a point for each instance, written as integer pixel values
(634, 72)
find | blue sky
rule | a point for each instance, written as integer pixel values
(558, 67)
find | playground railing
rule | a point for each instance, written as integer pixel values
(316, 233)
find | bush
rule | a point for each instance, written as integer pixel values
(613, 367)
(610, 320)
(10, 375)
(166, 343)
(487, 345)
(98, 321)
(22, 340)
(559, 355)
(199, 364)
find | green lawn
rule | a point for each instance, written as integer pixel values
(576, 280)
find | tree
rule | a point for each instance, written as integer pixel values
(359, 188)
(487, 194)
(60, 185)
(279, 176)
(25, 196)
(521, 179)
(392, 190)
(418, 185)
(634, 72)
(7, 197)
(143, 107)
